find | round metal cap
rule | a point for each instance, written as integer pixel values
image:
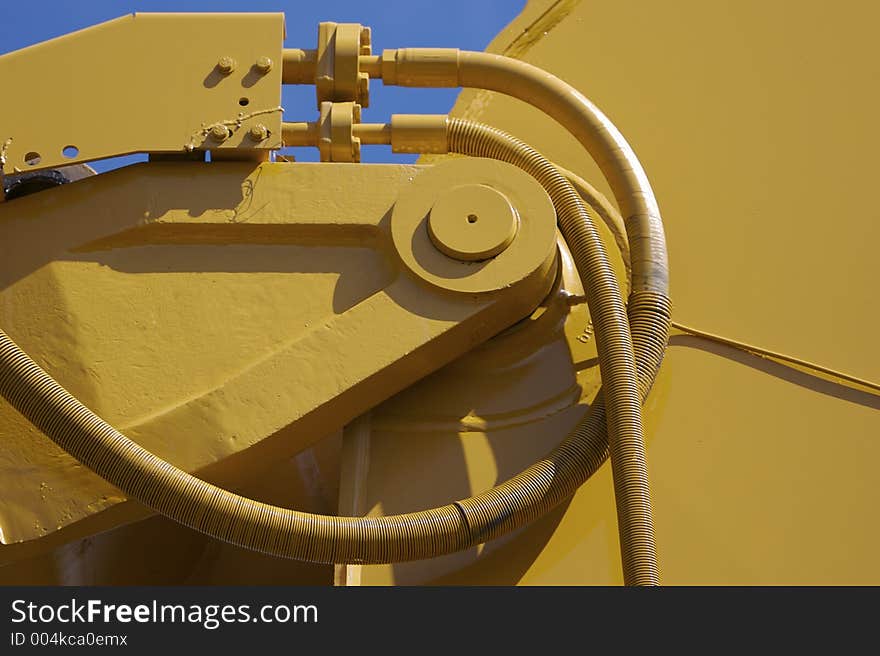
(472, 222)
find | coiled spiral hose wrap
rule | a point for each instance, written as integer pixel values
(287, 533)
(621, 402)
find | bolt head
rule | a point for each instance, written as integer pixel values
(365, 41)
(226, 65)
(220, 132)
(363, 89)
(259, 132)
(264, 64)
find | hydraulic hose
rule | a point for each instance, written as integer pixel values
(288, 533)
(223, 515)
(614, 345)
(447, 67)
(648, 306)
(319, 538)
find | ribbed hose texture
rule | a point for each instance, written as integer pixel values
(577, 459)
(328, 539)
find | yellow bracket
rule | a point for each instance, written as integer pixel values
(159, 83)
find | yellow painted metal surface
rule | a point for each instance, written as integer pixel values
(124, 90)
(157, 551)
(757, 145)
(233, 309)
(473, 425)
(473, 223)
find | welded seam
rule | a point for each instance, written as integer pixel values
(233, 124)
(521, 44)
(539, 28)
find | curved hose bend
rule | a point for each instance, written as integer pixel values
(621, 399)
(431, 67)
(320, 538)
(292, 534)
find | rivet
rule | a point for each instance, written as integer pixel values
(264, 64)
(226, 65)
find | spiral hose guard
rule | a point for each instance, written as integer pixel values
(287, 533)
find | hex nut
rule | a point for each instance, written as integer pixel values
(226, 65)
(264, 64)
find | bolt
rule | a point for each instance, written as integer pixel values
(220, 132)
(363, 89)
(259, 132)
(226, 64)
(264, 65)
(364, 42)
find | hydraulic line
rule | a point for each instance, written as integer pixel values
(439, 134)
(226, 516)
(449, 67)
(616, 359)
(318, 538)
(648, 305)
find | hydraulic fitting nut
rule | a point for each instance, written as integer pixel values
(363, 89)
(421, 67)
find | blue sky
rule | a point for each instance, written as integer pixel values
(466, 24)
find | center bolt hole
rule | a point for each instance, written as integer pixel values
(472, 218)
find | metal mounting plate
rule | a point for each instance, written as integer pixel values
(141, 83)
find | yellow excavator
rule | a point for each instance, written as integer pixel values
(617, 325)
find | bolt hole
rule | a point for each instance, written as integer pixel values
(70, 152)
(472, 218)
(244, 102)
(32, 158)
